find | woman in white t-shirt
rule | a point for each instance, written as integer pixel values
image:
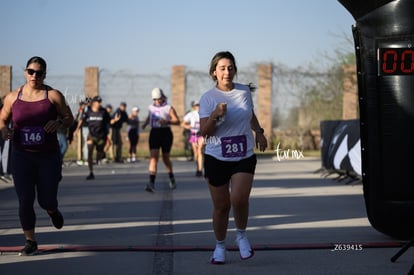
(191, 121)
(227, 119)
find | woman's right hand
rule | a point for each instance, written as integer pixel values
(6, 133)
(221, 110)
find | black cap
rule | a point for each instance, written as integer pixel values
(97, 99)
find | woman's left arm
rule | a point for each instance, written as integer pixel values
(174, 117)
(261, 141)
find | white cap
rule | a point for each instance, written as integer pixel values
(135, 109)
(157, 93)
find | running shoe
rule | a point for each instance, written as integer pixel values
(91, 176)
(219, 256)
(199, 174)
(150, 187)
(246, 251)
(57, 219)
(173, 184)
(29, 249)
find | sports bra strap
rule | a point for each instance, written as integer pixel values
(19, 96)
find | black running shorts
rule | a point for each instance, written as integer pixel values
(219, 172)
(161, 138)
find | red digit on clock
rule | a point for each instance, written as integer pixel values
(387, 54)
(410, 54)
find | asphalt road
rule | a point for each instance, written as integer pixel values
(300, 223)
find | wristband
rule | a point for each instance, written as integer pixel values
(259, 131)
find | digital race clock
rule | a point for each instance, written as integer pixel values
(395, 58)
(384, 49)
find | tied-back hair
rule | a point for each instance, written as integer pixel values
(38, 60)
(252, 87)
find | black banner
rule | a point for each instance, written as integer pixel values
(341, 147)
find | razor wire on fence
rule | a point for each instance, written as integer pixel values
(289, 86)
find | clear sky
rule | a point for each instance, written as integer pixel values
(150, 36)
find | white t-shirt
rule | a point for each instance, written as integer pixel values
(233, 139)
(156, 113)
(193, 118)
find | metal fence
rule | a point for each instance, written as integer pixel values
(289, 85)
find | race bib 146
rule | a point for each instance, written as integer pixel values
(32, 135)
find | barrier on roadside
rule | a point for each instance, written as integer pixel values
(341, 148)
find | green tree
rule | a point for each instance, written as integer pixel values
(322, 100)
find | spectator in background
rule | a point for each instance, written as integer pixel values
(5, 151)
(83, 134)
(191, 122)
(119, 117)
(71, 130)
(108, 145)
(62, 134)
(78, 116)
(133, 134)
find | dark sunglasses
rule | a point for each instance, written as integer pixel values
(38, 73)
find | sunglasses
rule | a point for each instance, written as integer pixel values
(38, 73)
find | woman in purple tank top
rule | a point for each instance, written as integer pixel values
(36, 112)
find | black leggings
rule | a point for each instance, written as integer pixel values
(133, 141)
(33, 172)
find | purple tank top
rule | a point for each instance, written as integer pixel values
(29, 118)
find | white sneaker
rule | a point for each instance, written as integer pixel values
(246, 251)
(219, 256)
